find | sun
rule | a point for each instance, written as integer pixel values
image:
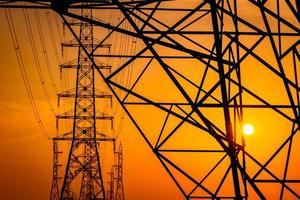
(248, 129)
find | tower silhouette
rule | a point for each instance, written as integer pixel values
(116, 189)
(54, 193)
(83, 160)
(119, 193)
(111, 185)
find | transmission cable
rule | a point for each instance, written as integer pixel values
(19, 56)
(42, 39)
(52, 37)
(36, 59)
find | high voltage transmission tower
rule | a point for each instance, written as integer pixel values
(203, 68)
(83, 162)
(119, 193)
(54, 193)
(116, 188)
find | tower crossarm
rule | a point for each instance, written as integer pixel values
(76, 22)
(72, 94)
(73, 64)
(74, 43)
(70, 115)
(100, 137)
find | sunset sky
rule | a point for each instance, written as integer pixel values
(26, 153)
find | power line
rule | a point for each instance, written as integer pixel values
(42, 39)
(52, 37)
(31, 98)
(36, 59)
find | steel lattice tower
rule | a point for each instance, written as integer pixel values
(111, 183)
(84, 156)
(54, 194)
(222, 62)
(83, 160)
(119, 193)
(116, 187)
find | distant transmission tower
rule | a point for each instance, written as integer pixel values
(119, 194)
(54, 194)
(111, 185)
(116, 187)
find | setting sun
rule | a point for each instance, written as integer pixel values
(248, 129)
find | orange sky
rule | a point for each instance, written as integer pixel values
(26, 155)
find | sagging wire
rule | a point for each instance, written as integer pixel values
(21, 64)
(46, 58)
(36, 59)
(127, 46)
(52, 37)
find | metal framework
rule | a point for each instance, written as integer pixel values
(221, 62)
(119, 193)
(111, 186)
(83, 160)
(54, 194)
(116, 187)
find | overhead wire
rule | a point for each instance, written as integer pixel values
(52, 37)
(129, 74)
(133, 50)
(36, 59)
(112, 40)
(58, 27)
(21, 64)
(128, 47)
(45, 54)
(118, 44)
(124, 51)
(120, 50)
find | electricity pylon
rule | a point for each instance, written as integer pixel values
(116, 187)
(111, 185)
(119, 193)
(83, 160)
(221, 62)
(54, 193)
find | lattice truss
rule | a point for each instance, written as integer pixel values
(201, 70)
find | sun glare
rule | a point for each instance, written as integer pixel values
(248, 129)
